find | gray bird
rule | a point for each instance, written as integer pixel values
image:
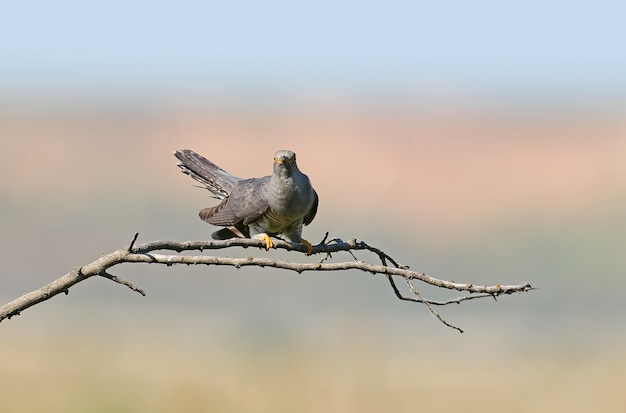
(275, 205)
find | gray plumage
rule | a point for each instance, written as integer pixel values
(278, 204)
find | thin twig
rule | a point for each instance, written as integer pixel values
(430, 308)
(132, 243)
(123, 282)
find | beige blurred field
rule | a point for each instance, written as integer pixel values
(150, 373)
(483, 196)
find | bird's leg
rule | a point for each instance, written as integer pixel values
(268, 241)
(264, 236)
(302, 241)
(307, 244)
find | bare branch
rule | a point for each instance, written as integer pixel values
(145, 253)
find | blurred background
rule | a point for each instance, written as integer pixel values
(482, 142)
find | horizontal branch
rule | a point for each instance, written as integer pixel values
(145, 253)
(317, 266)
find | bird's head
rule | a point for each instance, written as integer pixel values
(284, 157)
(284, 162)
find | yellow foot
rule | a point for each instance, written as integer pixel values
(268, 242)
(307, 244)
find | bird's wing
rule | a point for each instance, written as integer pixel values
(308, 218)
(245, 204)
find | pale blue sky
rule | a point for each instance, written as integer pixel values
(528, 46)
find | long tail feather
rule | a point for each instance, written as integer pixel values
(214, 178)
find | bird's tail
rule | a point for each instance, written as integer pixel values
(214, 178)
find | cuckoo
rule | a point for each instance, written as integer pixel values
(277, 205)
